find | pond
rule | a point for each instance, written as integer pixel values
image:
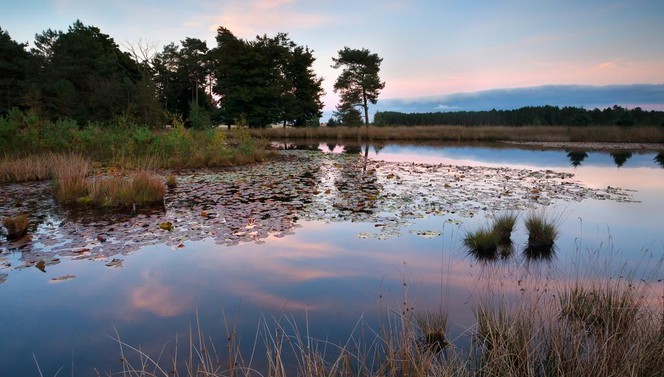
(324, 240)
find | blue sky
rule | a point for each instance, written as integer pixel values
(430, 47)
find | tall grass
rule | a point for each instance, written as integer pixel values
(69, 173)
(138, 189)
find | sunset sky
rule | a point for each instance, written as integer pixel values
(430, 47)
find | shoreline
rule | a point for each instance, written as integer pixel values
(591, 145)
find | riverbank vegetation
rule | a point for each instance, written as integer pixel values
(582, 328)
(604, 134)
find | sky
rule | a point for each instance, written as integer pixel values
(431, 49)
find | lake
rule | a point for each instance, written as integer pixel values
(327, 241)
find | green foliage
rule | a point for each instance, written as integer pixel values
(359, 83)
(348, 115)
(199, 118)
(267, 81)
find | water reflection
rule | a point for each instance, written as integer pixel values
(621, 157)
(576, 157)
(659, 159)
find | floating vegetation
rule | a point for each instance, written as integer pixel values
(270, 199)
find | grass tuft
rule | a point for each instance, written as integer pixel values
(17, 226)
(482, 243)
(542, 234)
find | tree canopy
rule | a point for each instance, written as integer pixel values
(359, 83)
(266, 81)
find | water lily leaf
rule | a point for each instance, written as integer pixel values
(41, 265)
(426, 233)
(114, 263)
(62, 278)
(166, 225)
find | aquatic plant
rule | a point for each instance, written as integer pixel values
(542, 234)
(503, 226)
(482, 243)
(17, 226)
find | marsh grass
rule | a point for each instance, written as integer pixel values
(482, 243)
(472, 133)
(17, 226)
(487, 242)
(24, 169)
(140, 188)
(171, 181)
(69, 173)
(503, 226)
(542, 230)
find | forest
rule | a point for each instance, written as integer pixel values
(526, 116)
(83, 75)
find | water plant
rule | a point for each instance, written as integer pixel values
(482, 243)
(542, 234)
(17, 226)
(486, 242)
(503, 226)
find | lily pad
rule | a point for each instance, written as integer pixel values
(62, 278)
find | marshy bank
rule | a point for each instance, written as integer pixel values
(597, 134)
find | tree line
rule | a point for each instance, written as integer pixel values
(526, 116)
(83, 75)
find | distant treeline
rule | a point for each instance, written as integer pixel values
(526, 116)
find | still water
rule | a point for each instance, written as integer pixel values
(323, 237)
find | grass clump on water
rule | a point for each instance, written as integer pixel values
(542, 234)
(485, 242)
(17, 226)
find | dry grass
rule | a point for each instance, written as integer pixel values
(138, 189)
(69, 173)
(473, 133)
(24, 169)
(17, 226)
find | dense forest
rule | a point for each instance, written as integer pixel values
(82, 75)
(526, 116)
